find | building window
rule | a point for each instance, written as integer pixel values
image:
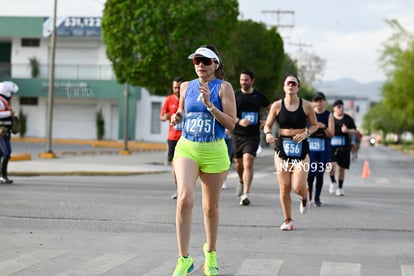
(30, 42)
(155, 118)
(28, 101)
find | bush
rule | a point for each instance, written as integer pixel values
(100, 125)
(34, 67)
(23, 123)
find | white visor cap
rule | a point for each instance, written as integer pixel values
(205, 52)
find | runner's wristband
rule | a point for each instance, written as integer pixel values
(211, 108)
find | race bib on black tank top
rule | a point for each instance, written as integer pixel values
(292, 148)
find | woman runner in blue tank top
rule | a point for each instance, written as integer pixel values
(208, 107)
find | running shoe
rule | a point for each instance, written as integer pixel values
(304, 206)
(332, 188)
(174, 196)
(184, 266)
(5, 180)
(244, 200)
(239, 189)
(287, 225)
(210, 267)
(340, 192)
(317, 203)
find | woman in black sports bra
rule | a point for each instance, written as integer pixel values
(291, 147)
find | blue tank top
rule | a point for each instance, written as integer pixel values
(199, 124)
(323, 118)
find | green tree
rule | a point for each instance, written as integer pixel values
(398, 62)
(148, 41)
(288, 68)
(258, 49)
(379, 118)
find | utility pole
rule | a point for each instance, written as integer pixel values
(281, 12)
(125, 150)
(49, 153)
(300, 45)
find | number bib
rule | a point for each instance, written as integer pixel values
(316, 144)
(338, 141)
(199, 124)
(252, 117)
(179, 126)
(292, 148)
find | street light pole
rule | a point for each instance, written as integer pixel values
(49, 153)
(126, 108)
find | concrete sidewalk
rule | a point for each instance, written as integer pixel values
(80, 157)
(135, 163)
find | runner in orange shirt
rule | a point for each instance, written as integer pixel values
(170, 107)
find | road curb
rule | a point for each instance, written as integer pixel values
(132, 145)
(21, 157)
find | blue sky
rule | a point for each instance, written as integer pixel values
(347, 34)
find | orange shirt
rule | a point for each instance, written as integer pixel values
(171, 106)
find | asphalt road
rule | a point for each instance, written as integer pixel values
(124, 225)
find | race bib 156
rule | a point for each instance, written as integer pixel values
(292, 148)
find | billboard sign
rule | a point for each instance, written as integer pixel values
(73, 26)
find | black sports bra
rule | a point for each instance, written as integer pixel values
(292, 119)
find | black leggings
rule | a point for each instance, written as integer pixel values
(318, 188)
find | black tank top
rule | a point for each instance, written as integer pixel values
(292, 119)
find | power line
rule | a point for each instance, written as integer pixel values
(300, 45)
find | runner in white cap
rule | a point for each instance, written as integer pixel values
(7, 89)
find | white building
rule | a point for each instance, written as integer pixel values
(84, 82)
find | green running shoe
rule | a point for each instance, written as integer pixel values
(210, 262)
(184, 266)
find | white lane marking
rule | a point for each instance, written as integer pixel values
(23, 261)
(99, 265)
(263, 267)
(407, 270)
(340, 269)
(168, 267)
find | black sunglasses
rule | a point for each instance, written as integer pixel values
(204, 60)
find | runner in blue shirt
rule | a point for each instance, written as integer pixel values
(320, 147)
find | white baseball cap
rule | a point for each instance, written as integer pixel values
(7, 88)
